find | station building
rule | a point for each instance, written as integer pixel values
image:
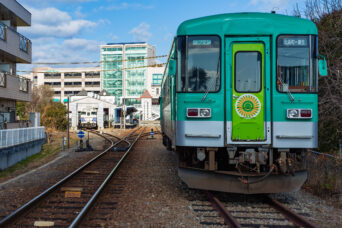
(18, 139)
(68, 81)
(100, 107)
(127, 69)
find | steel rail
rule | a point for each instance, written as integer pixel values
(122, 140)
(224, 213)
(292, 216)
(13, 216)
(93, 199)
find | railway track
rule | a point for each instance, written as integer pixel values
(255, 211)
(66, 203)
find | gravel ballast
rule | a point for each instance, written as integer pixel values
(151, 193)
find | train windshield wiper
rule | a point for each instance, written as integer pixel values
(288, 90)
(213, 82)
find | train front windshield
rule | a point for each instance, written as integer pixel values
(199, 63)
(297, 64)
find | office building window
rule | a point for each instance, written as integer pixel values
(157, 79)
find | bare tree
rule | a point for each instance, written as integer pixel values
(41, 96)
(327, 14)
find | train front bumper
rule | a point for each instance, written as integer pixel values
(229, 183)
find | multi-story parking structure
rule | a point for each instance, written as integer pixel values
(124, 70)
(68, 81)
(18, 138)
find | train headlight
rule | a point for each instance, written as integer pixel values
(292, 113)
(205, 112)
(299, 113)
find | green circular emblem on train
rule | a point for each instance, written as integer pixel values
(247, 106)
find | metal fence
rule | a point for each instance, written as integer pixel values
(325, 173)
(12, 137)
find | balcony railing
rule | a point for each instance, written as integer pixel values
(13, 137)
(2, 79)
(23, 84)
(15, 87)
(15, 44)
(24, 43)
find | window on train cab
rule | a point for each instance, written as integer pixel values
(297, 58)
(248, 71)
(198, 63)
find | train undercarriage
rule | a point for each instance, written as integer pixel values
(243, 169)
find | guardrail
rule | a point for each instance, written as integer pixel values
(325, 154)
(13, 137)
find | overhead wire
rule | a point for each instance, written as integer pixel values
(94, 62)
(94, 71)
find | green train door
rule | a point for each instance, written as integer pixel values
(247, 93)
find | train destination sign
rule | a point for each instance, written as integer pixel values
(201, 42)
(294, 41)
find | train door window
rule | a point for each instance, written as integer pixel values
(248, 71)
(88, 113)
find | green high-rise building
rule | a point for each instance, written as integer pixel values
(123, 70)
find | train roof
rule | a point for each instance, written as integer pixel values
(247, 24)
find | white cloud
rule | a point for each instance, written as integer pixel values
(78, 12)
(51, 22)
(53, 50)
(141, 32)
(77, 44)
(114, 37)
(46, 1)
(124, 6)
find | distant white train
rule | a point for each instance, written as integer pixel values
(88, 119)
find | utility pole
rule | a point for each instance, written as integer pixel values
(68, 123)
(124, 114)
(339, 133)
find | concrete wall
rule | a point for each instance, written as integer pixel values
(12, 155)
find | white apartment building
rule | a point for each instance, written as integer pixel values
(154, 79)
(68, 81)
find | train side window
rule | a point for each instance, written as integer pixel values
(297, 63)
(248, 71)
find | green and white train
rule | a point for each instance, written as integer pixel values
(239, 101)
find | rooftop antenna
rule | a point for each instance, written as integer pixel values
(274, 10)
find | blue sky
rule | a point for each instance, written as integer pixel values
(73, 30)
